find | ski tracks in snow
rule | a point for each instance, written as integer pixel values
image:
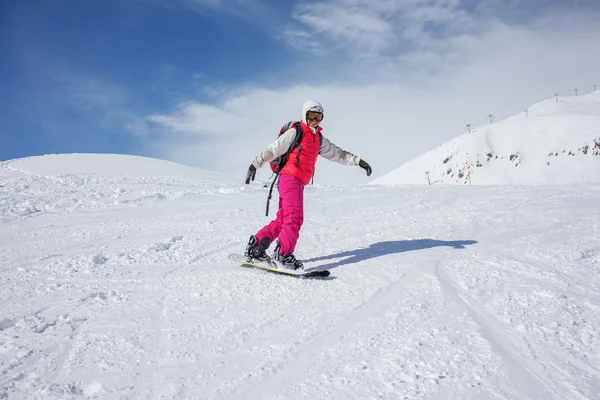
(144, 304)
(297, 362)
(529, 323)
(523, 378)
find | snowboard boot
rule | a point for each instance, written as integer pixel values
(257, 251)
(287, 261)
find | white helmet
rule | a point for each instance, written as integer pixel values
(311, 105)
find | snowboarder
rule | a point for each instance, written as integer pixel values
(296, 173)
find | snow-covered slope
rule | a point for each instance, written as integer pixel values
(68, 182)
(115, 284)
(105, 165)
(554, 143)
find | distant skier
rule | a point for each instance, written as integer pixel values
(295, 174)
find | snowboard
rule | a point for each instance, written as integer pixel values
(271, 267)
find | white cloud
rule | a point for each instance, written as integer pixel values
(198, 119)
(251, 10)
(354, 26)
(381, 26)
(406, 77)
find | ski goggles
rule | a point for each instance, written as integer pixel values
(313, 115)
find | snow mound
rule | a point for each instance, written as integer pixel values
(72, 182)
(106, 165)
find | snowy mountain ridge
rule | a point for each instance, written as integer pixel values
(556, 141)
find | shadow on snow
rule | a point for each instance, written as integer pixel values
(385, 248)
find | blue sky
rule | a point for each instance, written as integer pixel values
(77, 73)
(209, 82)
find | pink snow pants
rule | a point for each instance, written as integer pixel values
(290, 216)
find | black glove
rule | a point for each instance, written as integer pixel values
(250, 174)
(364, 165)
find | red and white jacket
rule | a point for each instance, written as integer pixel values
(311, 148)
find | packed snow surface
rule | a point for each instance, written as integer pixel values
(116, 285)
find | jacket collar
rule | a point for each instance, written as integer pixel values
(313, 130)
